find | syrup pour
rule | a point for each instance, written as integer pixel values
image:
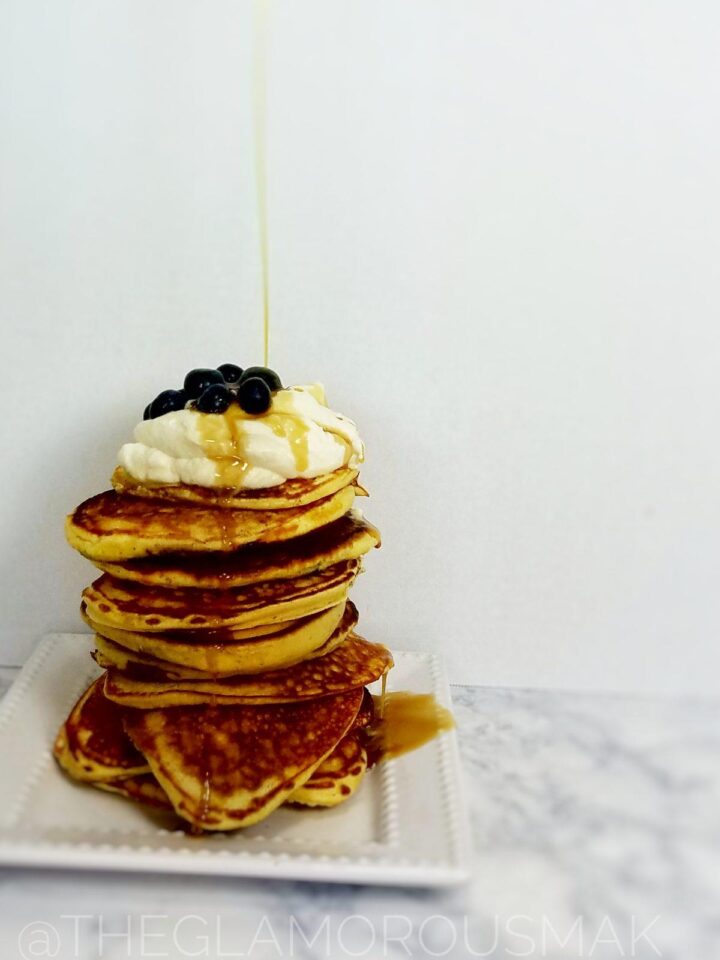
(260, 91)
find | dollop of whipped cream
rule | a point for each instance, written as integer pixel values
(299, 436)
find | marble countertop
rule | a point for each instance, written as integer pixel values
(596, 830)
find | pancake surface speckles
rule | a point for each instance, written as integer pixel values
(114, 526)
(228, 767)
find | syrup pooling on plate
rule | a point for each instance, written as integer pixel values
(403, 722)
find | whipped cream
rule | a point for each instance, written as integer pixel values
(299, 436)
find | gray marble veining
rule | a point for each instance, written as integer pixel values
(596, 828)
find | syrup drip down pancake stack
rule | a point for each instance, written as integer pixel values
(233, 679)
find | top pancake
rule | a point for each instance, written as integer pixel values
(345, 539)
(292, 493)
(113, 526)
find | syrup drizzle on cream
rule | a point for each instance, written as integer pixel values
(223, 440)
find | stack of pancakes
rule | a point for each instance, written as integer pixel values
(234, 681)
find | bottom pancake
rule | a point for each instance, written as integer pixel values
(219, 768)
(334, 781)
(229, 767)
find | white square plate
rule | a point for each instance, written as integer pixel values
(405, 825)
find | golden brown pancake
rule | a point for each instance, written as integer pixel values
(133, 606)
(228, 767)
(113, 526)
(327, 786)
(355, 663)
(334, 781)
(185, 654)
(293, 493)
(92, 744)
(337, 777)
(345, 539)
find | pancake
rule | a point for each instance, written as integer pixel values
(218, 635)
(92, 744)
(337, 777)
(354, 663)
(293, 493)
(114, 526)
(334, 781)
(345, 539)
(188, 655)
(133, 606)
(229, 767)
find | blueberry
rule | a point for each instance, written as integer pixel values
(254, 395)
(167, 401)
(146, 412)
(197, 381)
(263, 373)
(216, 399)
(231, 373)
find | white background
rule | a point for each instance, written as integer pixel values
(494, 236)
